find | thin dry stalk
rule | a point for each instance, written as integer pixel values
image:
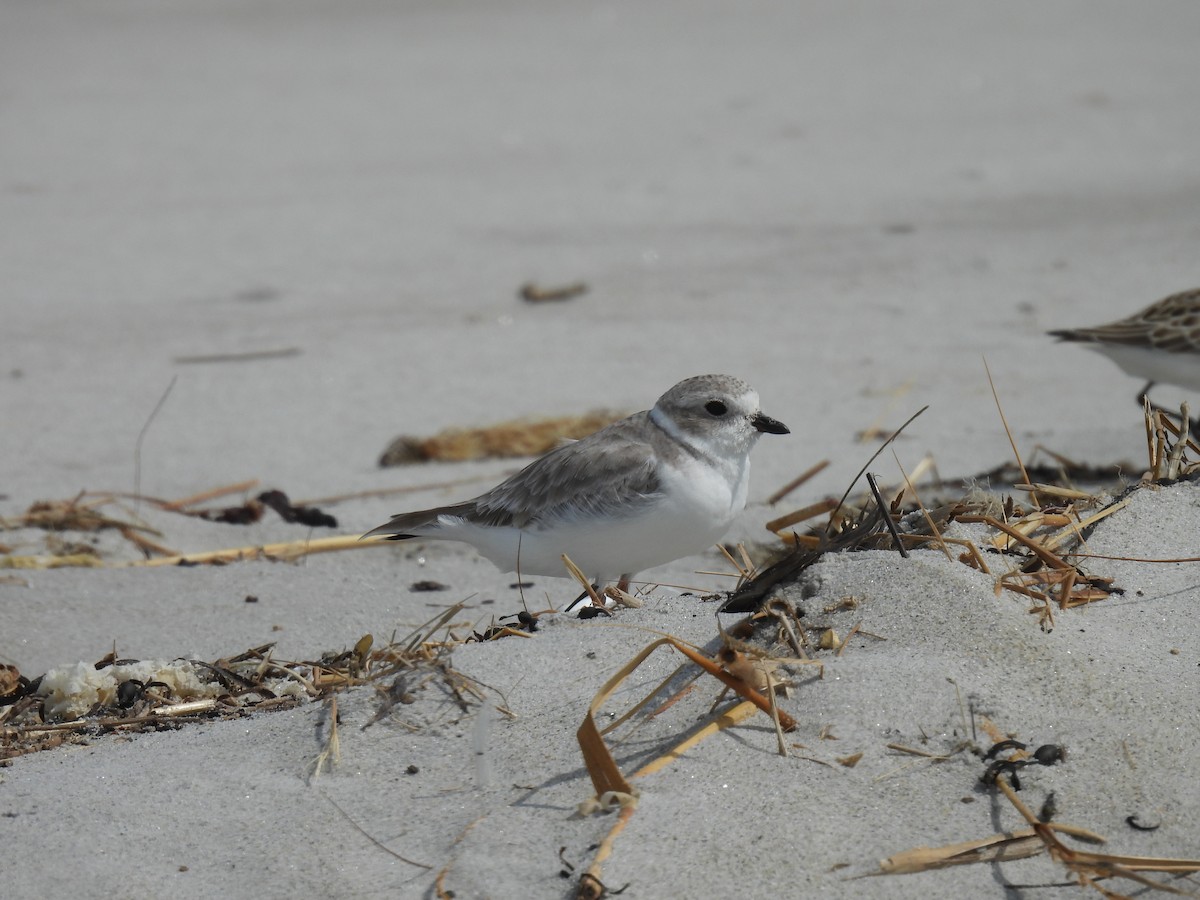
(745, 568)
(924, 510)
(846, 641)
(374, 840)
(241, 487)
(1008, 431)
(796, 482)
(780, 741)
(782, 612)
(1034, 547)
(286, 551)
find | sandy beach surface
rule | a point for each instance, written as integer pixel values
(256, 241)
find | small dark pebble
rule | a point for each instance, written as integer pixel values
(411, 770)
(128, 693)
(250, 598)
(1049, 754)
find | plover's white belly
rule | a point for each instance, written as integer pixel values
(698, 505)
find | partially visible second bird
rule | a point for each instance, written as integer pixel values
(1160, 343)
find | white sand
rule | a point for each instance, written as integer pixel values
(846, 205)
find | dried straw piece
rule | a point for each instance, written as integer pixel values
(1054, 490)
(602, 768)
(531, 292)
(1001, 847)
(285, 551)
(804, 513)
(1041, 553)
(607, 777)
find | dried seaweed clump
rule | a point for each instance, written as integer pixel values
(516, 437)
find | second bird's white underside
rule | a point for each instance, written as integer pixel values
(1154, 363)
(698, 504)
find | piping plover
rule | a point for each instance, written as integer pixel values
(647, 490)
(1160, 343)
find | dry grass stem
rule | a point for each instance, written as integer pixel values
(241, 487)
(1008, 431)
(802, 515)
(796, 482)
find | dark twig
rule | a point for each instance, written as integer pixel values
(887, 516)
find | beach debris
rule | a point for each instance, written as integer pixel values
(503, 440)
(86, 513)
(1133, 823)
(331, 753)
(427, 586)
(283, 551)
(1041, 836)
(534, 293)
(1045, 537)
(13, 686)
(611, 785)
(71, 703)
(252, 511)
(245, 356)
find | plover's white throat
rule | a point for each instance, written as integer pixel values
(647, 490)
(1160, 343)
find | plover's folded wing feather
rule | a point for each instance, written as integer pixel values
(413, 524)
(613, 478)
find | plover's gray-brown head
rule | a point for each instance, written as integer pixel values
(718, 410)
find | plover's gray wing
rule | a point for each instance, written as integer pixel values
(610, 474)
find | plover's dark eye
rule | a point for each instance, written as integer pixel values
(716, 407)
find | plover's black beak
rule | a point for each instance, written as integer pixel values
(769, 425)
